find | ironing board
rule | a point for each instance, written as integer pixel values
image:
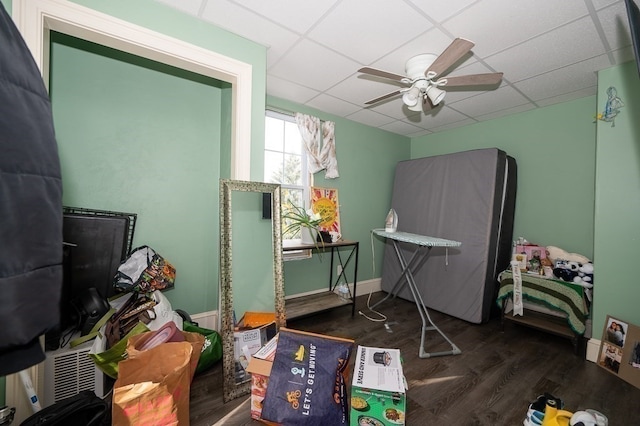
(423, 245)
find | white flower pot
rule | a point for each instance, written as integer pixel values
(308, 235)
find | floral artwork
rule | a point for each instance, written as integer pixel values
(325, 202)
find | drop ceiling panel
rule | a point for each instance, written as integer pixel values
(253, 27)
(365, 30)
(495, 25)
(444, 9)
(505, 112)
(370, 118)
(360, 88)
(401, 128)
(542, 54)
(436, 117)
(497, 100)
(568, 79)
(312, 65)
(615, 25)
(291, 91)
(333, 105)
(296, 15)
(393, 108)
(549, 51)
(568, 96)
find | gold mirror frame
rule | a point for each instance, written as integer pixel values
(232, 389)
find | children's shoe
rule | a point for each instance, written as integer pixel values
(534, 417)
(601, 419)
(535, 413)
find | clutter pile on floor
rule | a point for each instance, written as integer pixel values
(548, 410)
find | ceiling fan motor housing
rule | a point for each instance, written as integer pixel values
(416, 66)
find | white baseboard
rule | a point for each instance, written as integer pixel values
(593, 347)
(210, 319)
(364, 287)
(207, 320)
(369, 286)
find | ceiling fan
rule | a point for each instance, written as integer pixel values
(424, 79)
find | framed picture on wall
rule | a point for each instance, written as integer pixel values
(325, 202)
(620, 350)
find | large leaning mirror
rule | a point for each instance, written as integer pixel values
(250, 268)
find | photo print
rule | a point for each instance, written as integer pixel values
(620, 350)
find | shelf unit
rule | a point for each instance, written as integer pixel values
(561, 297)
(342, 253)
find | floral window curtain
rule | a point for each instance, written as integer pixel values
(320, 143)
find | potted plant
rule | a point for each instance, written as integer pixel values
(298, 221)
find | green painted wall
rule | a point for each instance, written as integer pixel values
(139, 137)
(617, 215)
(366, 161)
(554, 148)
(166, 20)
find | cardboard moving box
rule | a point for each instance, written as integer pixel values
(378, 389)
(247, 343)
(260, 370)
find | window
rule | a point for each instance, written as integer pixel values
(285, 160)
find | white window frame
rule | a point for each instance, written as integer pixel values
(307, 183)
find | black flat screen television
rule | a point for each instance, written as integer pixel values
(633, 13)
(95, 244)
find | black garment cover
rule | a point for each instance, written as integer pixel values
(30, 206)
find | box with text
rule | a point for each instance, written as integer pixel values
(378, 389)
(247, 342)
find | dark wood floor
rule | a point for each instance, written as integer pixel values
(491, 383)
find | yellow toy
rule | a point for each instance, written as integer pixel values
(555, 417)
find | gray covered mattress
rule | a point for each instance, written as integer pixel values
(468, 197)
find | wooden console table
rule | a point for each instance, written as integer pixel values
(298, 307)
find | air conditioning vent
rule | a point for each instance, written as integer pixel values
(68, 372)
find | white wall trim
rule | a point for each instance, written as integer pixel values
(364, 287)
(35, 18)
(207, 320)
(593, 347)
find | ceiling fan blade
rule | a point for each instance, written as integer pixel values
(452, 54)
(474, 80)
(383, 97)
(380, 73)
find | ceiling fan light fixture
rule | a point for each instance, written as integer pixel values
(417, 107)
(411, 97)
(435, 95)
